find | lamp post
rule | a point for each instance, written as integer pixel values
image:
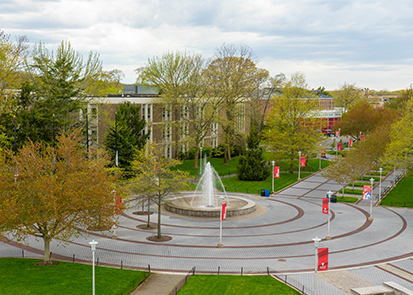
(329, 194)
(273, 162)
(316, 241)
(381, 170)
(114, 236)
(93, 246)
(338, 139)
(371, 199)
(299, 164)
(220, 245)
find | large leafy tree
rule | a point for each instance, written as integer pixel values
(347, 96)
(364, 118)
(179, 76)
(58, 192)
(290, 122)
(59, 79)
(232, 76)
(156, 178)
(399, 150)
(125, 135)
(12, 56)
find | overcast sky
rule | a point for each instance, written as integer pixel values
(362, 42)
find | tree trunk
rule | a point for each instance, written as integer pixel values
(159, 217)
(291, 169)
(46, 241)
(149, 211)
(196, 156)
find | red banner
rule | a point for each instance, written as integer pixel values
(302, 161)
(276, 171)
(224, 211)
(362, 136)
(337, 133)
(118, 201)
(322, 259)
(325, 205)
(323, 153)
(339, 146)
(350, 144)
(366, 192)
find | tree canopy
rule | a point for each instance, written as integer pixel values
(289, 127)
(54, 193)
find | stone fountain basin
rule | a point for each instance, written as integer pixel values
(237, 206)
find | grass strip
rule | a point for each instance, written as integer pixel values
(401, 195)
(239, 285)
(23, 276)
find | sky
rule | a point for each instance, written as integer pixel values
(362, 42)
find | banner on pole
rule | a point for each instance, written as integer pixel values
(362, 137)
(337, 133)
(302, 161)
(118, 205)
(322, 259)
(276, 171)
(366, 192)
(350, 144)
(323, 153)
(339, 146)
(325, 205)
(224, 211)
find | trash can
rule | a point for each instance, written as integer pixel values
(263, 193)
(267, 192)
(333, 199)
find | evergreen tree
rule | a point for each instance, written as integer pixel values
(126, 136)
(252, 165)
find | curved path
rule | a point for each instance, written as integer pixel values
(278, 240)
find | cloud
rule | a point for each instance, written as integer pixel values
(340, 40)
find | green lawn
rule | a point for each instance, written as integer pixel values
(217, 163)
(235, 285)
(401, 195)
(353, 191)
(347, 199)
(23, 276)
(233, 184)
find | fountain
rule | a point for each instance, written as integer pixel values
(205, 201)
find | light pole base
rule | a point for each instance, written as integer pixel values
(220, 245)
(114, 236)
(370, 219)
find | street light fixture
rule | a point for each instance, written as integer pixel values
(299, 164)
(93, 246)
(316, 241)
(371, 199)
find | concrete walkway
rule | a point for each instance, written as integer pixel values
(278, 240)
(159, 284)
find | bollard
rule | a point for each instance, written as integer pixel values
(97, 262)
(268, 270)
(242, 268)
(149, 268)
(23, 253)
(218, 269)
(193, 271)
(73, 258)
(121, 264)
